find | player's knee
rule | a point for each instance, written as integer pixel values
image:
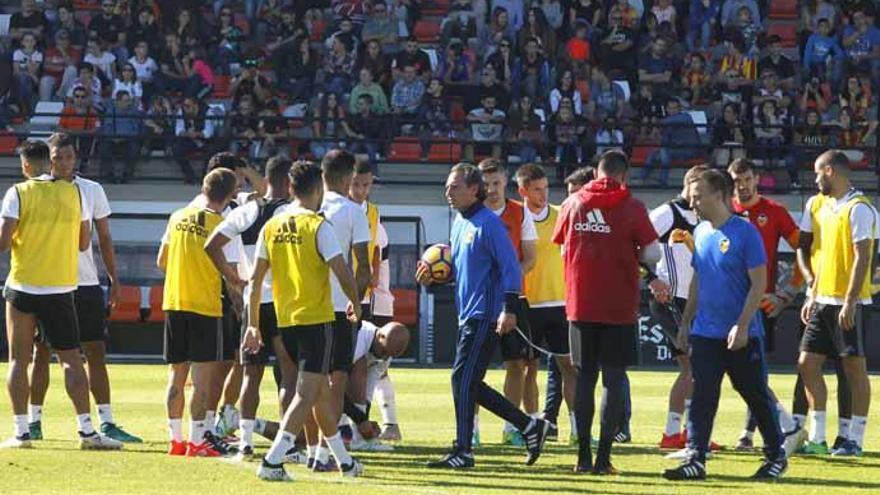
(96, 352)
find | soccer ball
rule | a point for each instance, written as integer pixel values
(439, 260)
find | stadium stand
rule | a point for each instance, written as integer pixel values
(595, 74)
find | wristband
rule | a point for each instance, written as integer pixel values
(511, 302)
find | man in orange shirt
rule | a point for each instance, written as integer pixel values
(81, 120)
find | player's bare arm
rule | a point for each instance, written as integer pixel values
(347, 282)
(105, 242)
(7, 228)
(862, 254)
(162, 257)
(362, 277)
(253, 341)
(85, 235)
(529, 255)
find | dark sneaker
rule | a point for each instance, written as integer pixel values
(622, 437)
(272, 472)
(771, 470)
(325, 467)
(604, 469)
(219, 445)
(454, 460)
(849, 449)
(838, 442)
(36, 430)
(352, 470)
(117, 433)
(535, 435)
(744, 444)
(690, 469)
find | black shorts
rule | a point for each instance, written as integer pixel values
(367, 311)
(231, 331)
(91, 310)
(550, 328)
(55, 313)
(668, 316)
(191, 337)
(769, 331)
(824, 336)
(602, 344)
(381, 321)
(344, 338)
(268, 332)
(311, 346)
(513, 345)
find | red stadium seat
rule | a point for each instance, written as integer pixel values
(221, 87)
(456, 112)
(445, 153)
(156, 313)
(8, 143)
(583, 87)
(784, 9)
(427, 31)
(640, 154)
(129, 307)
(406, 306)
(785, 30)
(405, 150)
(318, 28)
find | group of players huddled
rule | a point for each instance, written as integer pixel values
(297, 268)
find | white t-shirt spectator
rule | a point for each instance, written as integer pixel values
(486, 131)
(135, 90)
(145, 70)
(351, 227)
(22, 59)
(104, 63)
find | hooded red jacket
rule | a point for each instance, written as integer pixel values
(601, 229)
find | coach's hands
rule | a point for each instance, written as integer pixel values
(738, 337)
(847, 316)
(253, 341)
(353, 312)
(774, 304)
(661, 291)
(423, 273)
(506, 323)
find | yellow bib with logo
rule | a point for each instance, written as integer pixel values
(45, 244)
(192, 282)
(300, 275)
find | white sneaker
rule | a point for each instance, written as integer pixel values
(22, 442)
(352, 470)
(272, 472)
(683, 454)
(371, 445)
(98, 441)
(294, 456)
(793, 441)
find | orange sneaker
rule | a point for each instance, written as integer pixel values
(177, 448)
(673, 442)
(201, 450)
(714, 446)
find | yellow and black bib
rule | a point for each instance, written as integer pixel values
(192, 282)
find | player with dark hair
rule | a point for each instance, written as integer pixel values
(721, 327)
(604, 233)
(300, 248)
(848, 226)
(245, 222)
(37, 213)
(487, 285)
(88, 298)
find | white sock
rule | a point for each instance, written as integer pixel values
(572, 421)
(20, 421)
(247, 432)
(857, 429)
(476, 422)
(509, 428)
(197, 431)
(387, 400)
(175, 426)
(786, 422)
(800, 419)
(84, 422)
(322, 454)
(209, 418)
(310, 451)
(747, 434)
(283, 442)
(843, 427)
(259, 426)
(673, 423)
(229, 413)
(343, 458)
(687, 412)
(817, 429)
(36, 413)
(105, 414)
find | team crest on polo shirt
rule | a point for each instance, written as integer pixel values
(762, 219)
(724, 245)
(469, 237)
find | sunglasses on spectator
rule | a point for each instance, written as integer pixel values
(79, 96)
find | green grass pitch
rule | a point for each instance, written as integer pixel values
(55, 465)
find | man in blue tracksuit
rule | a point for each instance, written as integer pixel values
(721, 327)
(487, 278)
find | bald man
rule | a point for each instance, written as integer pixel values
(375, 348)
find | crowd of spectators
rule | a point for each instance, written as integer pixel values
(548, 80)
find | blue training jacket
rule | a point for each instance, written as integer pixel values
(487, 271)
